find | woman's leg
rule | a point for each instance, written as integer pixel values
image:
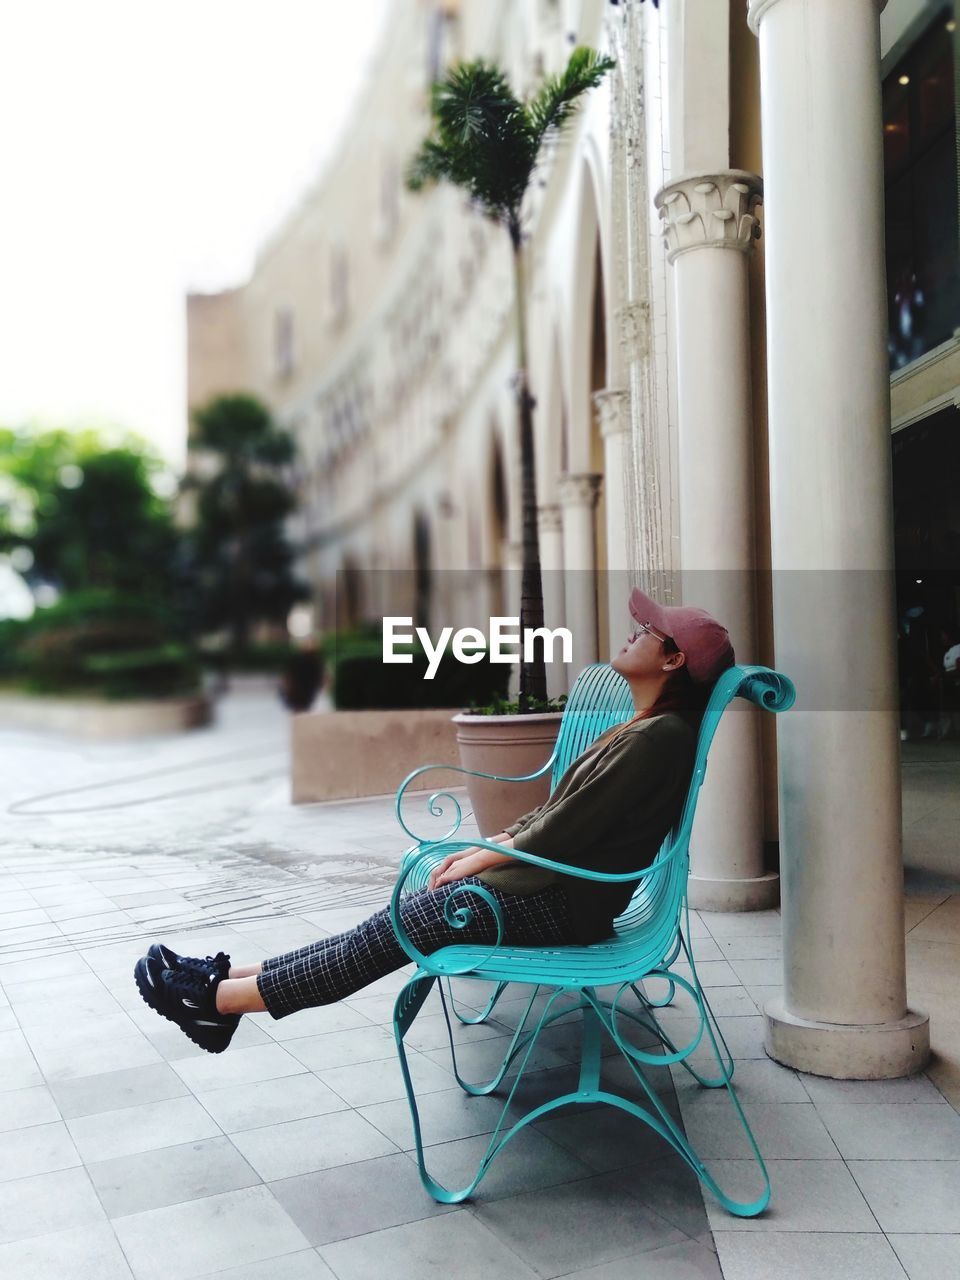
(334, 968)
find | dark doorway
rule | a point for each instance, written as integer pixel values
(926, 499)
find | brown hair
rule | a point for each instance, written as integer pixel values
(681, 695)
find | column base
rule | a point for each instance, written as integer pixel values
(875, 1051)
(759, 893)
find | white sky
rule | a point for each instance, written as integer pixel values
(147, 149)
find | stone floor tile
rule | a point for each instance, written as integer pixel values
(908, 1089)
(305, 1265)
(756, 924)
(605, 1138)
(758, 972)
(528, 1162)
(353, 1199)
(169, 1175)
(911, 1195)
(744, 1036)
(888, 1131)
(318, 1142)
(342, 1048)
(806, 1195)
(47, 1202)
(751, 947)
(444, 1117)
(114, 1090)
(95, 1057)
(783, 1130)
(207, 1235)
(81, 1253)
(18, 1066)
(687, 1261)
(141, 1128)
(309, 1022)
(576, 1225)
(452, 1243)
(237, 1066)
(268, 1102)
(480, 1061)
(20, 1108)
(90, 1007)
(429, 1031)
(42, 1148)
(927, 1257)
(755, 1080)
(793, 1256)
(364, 1083)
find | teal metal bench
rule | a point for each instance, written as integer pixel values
(650, 936)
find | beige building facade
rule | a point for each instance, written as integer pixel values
(714, 406)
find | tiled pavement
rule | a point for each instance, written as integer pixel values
(125, 1151)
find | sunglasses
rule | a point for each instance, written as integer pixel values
(644, 628)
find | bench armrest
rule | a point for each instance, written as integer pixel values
(436, 809)
(459, 916)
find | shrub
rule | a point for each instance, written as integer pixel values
(105, 644)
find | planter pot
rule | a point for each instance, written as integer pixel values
(510, 746)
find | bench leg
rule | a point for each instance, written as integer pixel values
(408, 1004)
(486, 1011)
(608, 1013)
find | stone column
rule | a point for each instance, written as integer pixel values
(550, 525)
(844, 1011)
(613, 417)
(710, 224)
(578, 497)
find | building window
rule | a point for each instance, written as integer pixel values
(920, 173)
(388, 209)
(283, 351)
(339, 284)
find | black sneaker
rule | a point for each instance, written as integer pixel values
(189, 999)
(212, 967)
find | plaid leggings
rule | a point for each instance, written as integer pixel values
(326, 971)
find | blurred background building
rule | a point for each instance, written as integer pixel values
(378, 324)
(767, 427)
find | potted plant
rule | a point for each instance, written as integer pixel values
(487, 141)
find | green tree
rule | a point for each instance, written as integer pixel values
(240, 559)
(487, 141)
(90, 511)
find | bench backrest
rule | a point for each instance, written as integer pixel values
(600, 698)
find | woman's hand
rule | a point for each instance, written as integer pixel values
(476, 859)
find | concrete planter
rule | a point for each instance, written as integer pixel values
(338, 755)
(99, 719)
(509, 746)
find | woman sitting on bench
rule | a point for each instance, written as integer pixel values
(611, 811)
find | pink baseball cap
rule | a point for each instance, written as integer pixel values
(704, 641)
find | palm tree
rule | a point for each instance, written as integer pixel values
(487, 141)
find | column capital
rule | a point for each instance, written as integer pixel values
(757, 8)
(550, 517)
(580, 490)
(710, 211)
(611, 404)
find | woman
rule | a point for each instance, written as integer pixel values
(610, 811)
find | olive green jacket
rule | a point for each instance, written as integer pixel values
(611, 811)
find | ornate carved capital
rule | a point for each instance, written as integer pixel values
(612, 404)
(713, 211)
(757, 8)
(550, 518)
(581, 490)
